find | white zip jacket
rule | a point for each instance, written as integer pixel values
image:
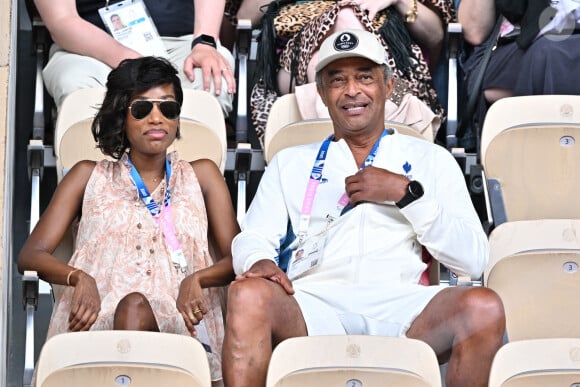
(375, 244)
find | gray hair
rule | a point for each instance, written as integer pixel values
(387, 72)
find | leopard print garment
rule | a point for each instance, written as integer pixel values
(307, 33)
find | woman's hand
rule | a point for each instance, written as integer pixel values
(85, 304)
(190, 302)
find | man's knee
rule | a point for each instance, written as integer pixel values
(250, 294)
(482, 306)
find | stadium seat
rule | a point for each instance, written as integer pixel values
(353, 361)
(534, 267)
(203, 135)
(529, 157)
(286, 127)
(537, 363)
(203, 132)
(122, 358)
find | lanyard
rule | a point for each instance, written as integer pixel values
(316, 177)
(161, 214)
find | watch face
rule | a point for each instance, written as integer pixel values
(206, 39)
(416, 189)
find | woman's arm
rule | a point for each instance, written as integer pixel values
(223, 226)
(36, 254)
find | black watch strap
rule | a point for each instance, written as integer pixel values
(208, 40)
(414, 192)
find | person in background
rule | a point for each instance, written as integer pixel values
(84, 53)
(412, 33)
(535, 51)
(361, 205)
(145, 221)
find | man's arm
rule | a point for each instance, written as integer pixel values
(445, 220)
(208, 18)
(78, 36)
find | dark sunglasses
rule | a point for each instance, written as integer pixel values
(142, 107)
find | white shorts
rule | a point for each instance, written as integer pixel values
(331, 309)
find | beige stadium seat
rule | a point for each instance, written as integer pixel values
(537, 363)
(285, 127)
(203, 132)
(203, 135)
(531, 159)
(353, 361)
(122, 358)
(534, 267)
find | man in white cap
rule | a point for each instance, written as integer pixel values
(360, 206)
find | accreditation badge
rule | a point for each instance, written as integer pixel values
(130, 23)
(306, 256)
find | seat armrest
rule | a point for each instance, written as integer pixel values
(30, 303)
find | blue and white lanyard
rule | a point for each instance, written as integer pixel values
(150, 203)
(316, 177)
(165, 221)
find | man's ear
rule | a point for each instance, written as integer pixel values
(389, 86)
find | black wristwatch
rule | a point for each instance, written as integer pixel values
(414, 192)
(204, 39)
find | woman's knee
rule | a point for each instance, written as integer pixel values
(135, 305)
(134, 312)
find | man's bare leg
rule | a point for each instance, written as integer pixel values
(260, 315)
(464, 325)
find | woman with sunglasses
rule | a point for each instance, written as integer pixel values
(141, 260)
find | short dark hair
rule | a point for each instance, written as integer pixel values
(131, 77)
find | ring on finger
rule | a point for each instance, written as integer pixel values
(196, 311)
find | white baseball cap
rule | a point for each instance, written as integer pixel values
(350, 43)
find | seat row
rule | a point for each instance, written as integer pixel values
(530, 165)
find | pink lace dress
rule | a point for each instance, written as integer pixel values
(121, 246)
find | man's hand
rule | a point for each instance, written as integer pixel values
(268, 270)
(212, 64)
(376, 185)
(86, 304)
(190, 302)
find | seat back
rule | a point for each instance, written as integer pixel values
(529, 154)
(353, 360)
(203, 133)
(122, 358)
(533, 266)
(286, 127)
(537, 363)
